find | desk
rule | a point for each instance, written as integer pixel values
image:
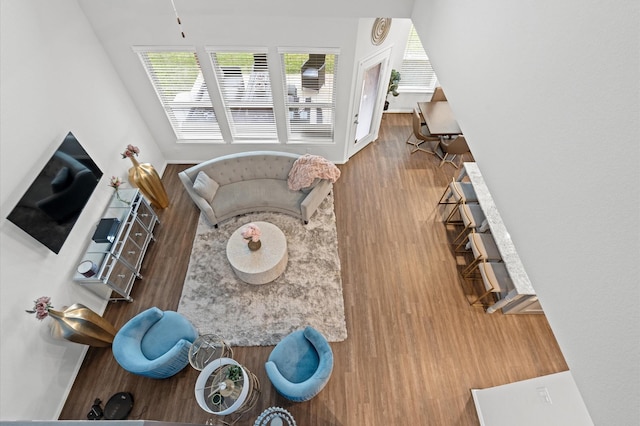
(439, 118)
(523, 292)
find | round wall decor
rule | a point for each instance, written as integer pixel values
(380, 30)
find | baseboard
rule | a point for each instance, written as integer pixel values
(67, 390)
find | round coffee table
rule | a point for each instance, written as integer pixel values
(263, 265)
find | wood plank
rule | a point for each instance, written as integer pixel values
(415, 347)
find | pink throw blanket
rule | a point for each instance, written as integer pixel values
(309, 167)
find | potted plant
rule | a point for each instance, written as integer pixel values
(394, 81)
(234, 373)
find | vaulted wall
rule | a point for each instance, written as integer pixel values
(55, 78)
(548, 97)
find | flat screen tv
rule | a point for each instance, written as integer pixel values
(55, 199)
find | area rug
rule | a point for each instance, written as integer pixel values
(309, 292)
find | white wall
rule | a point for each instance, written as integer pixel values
(405, 102)
(212, 24)
(552, 400)
(208, 27)
(55, 78)
(561, 163)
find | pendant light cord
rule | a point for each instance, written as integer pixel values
(177, 18)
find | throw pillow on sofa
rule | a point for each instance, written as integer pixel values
(205, 186)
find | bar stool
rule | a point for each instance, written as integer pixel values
(461, 193)
(495, 279)
(484, 249)
(473, 218)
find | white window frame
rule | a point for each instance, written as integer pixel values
(192, 100)
(305, 124)
(246, 93)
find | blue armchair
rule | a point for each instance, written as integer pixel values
(154, 343)
(300, 365)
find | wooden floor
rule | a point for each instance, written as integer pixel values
(415, 347)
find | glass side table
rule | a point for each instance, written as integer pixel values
(224, 387)
(207, 348)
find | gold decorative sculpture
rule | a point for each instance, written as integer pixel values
(380, 30)
(79, 324)
(145, 177)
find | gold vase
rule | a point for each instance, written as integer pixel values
(79, 324)
(145, 177)
(254, 245)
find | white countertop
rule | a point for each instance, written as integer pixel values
(500, 234)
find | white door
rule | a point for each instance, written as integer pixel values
(369, 100)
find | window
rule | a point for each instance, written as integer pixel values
(416, 72)
(242, 93)
(177, 79)
(245, 84)
(310, 93)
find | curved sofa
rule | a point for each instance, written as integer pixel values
(250, 182)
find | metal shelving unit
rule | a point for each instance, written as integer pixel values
(118, 263)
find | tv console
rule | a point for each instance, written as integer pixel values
(117, 263)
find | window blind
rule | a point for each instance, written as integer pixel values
(416, 71)
(177, 79)
(310, 94)
(245, 85)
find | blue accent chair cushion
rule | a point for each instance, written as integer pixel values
(300, 365)
(154, 343)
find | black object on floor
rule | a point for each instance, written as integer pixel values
(96, 412)
(119, 406)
